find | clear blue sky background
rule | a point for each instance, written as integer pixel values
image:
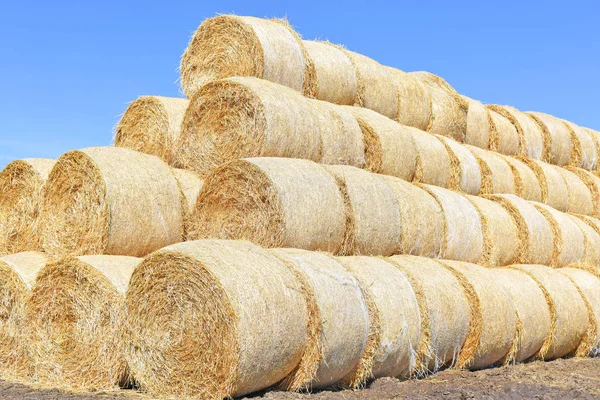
(68, 69)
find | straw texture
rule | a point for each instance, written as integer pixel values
(190, 185)
(554, 189)
(581, 198)
(531, 139)
(504, 136)
(434, 163)
(479, 124)
(591, 239)
(527, 184)
(561, 149)
(466, 174)
(585, 155)
(414, 103)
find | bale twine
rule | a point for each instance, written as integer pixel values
(228, 45)
(527, 184)
(585, 153)
(504, 136)
(389, 147)
(76, 314)
(554, 190)
(110, 200)
(560, 149)
(17, 276)
(533, 314)
(215, 319)
(248, 117)
(500, 234)
(434, 163)
(274, 202)
(531, 137)
(343, 335)
(21, 190)
(464, 232)
(591, 236)
(422, 219)
(536, 238)
(152, 125)
(493, 325)
(465, 172)
(398, 315)
(190, 185)
(414, 103)
(445, 311)
(479, 124)
(593, 184)
(496, 173)
(569, 240)
(581, 198)
(568, 313)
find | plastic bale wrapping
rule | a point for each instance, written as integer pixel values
(390, 148)
(591, 239)
(568, 312)
(463, 227)
(414, 103)
(228, 45)
(17, 276)
(21, 192)
(554, 190)
(479, 124)
(536, 237)
(152, 125)
(397, 316)
(445, 311)
(434, 162)
(585, 154)
(593, 184)
(76, 315)
(274, 202)
(581, 197)
(215, 319)
(569, 240)
(500, 234)
(248, 117)
(527, 184)
(560, 148)
(531, 138)
(504, 136)
(493, 322)
(190, 185)
(109, 200)
(422, 219)
(533, 314)
(589, 288)
(465, 170)
(496, 173)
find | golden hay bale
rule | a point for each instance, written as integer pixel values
(190, 185)
(581, 198)
(585, 154)
(593, 184)
(569, 240)
(398, 315)
(343, 335)
(531, 137)
(21, 190)
(500, 234)
(389, 147)
(464, 168)
(479, 124)
(527, 184)
(110, 200)
(493, 321)
(275, 202)
(559, 147)
(434, 162)
(591, 239)
(414, 103)
(463, 227)
(151, 125)
(76, 314)
(554, 189)
(422, 219)
(568, 312)
(17, 275)
(228, 45)
(504, 137)
(248, 117)
(445, 311)
(214, 319)
(536, 237)
(533, 314)
(595, 135)
(335, 78)
(496, 173)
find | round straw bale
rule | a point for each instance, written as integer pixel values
(343, 334)
(500, 234)
(445, 311)
(589, 288)
(110, 200)
(151, 125)
(464, 233)
(504, 136)
(554, 189)
(248, 117)
(190, 185)
(434, 162)
(228, 45)
(414, 103)
(389, 147)
(531, 137)
(465, 171)
(76, 314)
(275, 202)
(422, 219)
(568, 312)
(17, 275)
(585, 153)
(215, 319)
(21, 191)
(593, 184)
(397, 311)
(595, 135)
(493, 325)
(536, 237)
(496, 173)
(569, 240)
(533, 314)
(581, 198)
(335, 77)
(527, 184)
(557, 136)
(591, 239)
(479, 124)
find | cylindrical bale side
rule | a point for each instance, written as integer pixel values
(595, 135)
(434, 162)
(586, 153)
(504, 136)
(554, 188)
(557, 137)
(581, 198)
(591, 239)
(496, 173)
(190, 185)
(593, 184)
(465, 172)
(531, 137)
(414, 103)
(527, 185)
(479, 124)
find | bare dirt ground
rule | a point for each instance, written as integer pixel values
(560, 379)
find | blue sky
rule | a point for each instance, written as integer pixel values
(68, 69)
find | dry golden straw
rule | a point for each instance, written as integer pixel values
(190, 185)
(527, 184)
(560, 148)
(591, 238)
(554, 189)
(593, 185)
(434, 162)
(585, 155)
(414, 103)
(504, 137)
(531, 138)
(581, 197)
(465, 170)
(479, 124)
(496, 173)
